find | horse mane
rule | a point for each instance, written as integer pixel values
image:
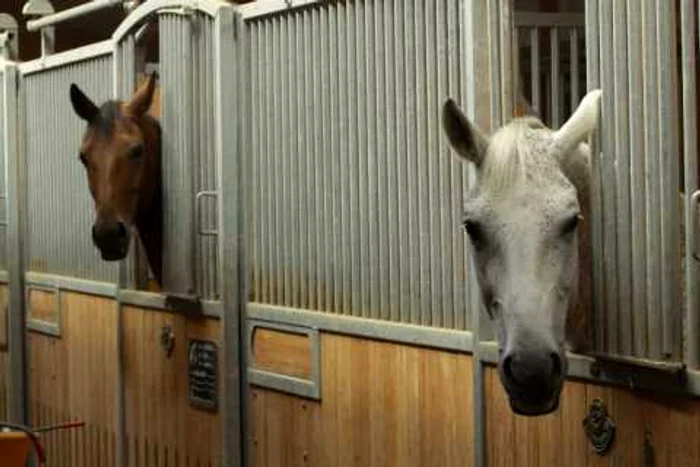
(509, 154)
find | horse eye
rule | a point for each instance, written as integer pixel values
(474, 230)
(570, 224)
(136, 152)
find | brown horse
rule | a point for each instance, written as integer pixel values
(120, 151)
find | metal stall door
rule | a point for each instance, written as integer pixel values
(199, 119)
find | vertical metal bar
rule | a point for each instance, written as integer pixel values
(636, 174)
(364, 94)
(651, 169)
(283, 155)
(690, 162)
(317, 228)
(507, 79)
(386, 106)
(609, 186)
(375, 164)
(433, 246)
(596, 207)
(337, 104)
(622, 183)
(384, 160)
(292, 159)
(410, 186)
(229, 53)
(271, 166)
(668, 153)
(455, 31)
(475, 22)
(423, 226)
(574, 68)
(298, 154)
(494, 64)
(554, 74)
(394, 84)
(535, 68)
(445, 33)
(256, 202)
(16, 329)
(330, 252)
(120, 82)
(518, 87)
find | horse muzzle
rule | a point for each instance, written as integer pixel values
(112, 240)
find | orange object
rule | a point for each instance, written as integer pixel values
(14, 448)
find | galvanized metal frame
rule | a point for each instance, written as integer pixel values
(158, 302)
(689, 20)
(309, 388)
(268, 7)
(228, 50)
(71, 13)
(412, 334)
(14, 170)
(72, 284)
(87, 52)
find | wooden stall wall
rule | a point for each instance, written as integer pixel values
(161, 427)
(74, 377)
(648, 432)
(382, 405)
(4, 361)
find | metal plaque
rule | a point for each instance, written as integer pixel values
(202, 372)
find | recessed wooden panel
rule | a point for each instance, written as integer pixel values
(3, 317)
(43, 309)
(282, 352)
(4, 385)
(671, 427)
(382, 405)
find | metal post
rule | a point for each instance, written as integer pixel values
(690, 147)
(14, 168)
(232, 181)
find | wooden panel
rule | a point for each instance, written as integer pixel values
(161, 427)
(75, 378)
(282, 352)
(43, 306)
(4, 385)
(382, 405)
(3, 317)
(559, 439)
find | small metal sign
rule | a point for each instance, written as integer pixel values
(202, 370)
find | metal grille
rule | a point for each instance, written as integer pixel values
(550, 63)
(189, 157)
(637, 270)
(357, 199)
(59, 206)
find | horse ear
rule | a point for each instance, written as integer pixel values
(464, 137)
(83, 106)
(141, 100)
(581, 124)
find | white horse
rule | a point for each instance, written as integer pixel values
(522, 219)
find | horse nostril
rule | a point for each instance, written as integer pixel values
(121, 229)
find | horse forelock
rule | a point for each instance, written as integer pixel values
(511, 154)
